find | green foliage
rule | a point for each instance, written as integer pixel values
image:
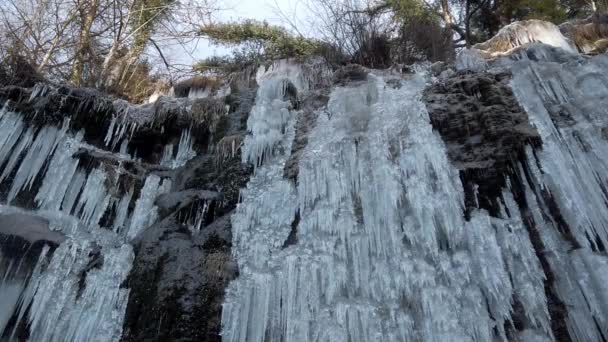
(146, 16)
(405, 10)
(224, 65)
(259, 40)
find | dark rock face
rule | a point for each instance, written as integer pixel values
(178, 278)
(177, 283)
(484, 129)
(349, 73)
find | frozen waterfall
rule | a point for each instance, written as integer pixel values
(383, 252)
(357, 222)
(383, 249)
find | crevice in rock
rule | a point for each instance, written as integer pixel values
(292, 239)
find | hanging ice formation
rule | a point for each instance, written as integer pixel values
(568, 105)
(383, 251)
(183, 154)
(70, 290)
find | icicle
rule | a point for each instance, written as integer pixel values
(167, 159)
(266, 122)
(185, 152)
(11, 128)
(122, 211)
(59, 175)
(40, 90)
(184, 149)
(72, 192)
(199, 93)
(25, 294)
(94, 198)
(110, 134)
(145, 212)
(41, 149)
(24, 143)
(199, 218)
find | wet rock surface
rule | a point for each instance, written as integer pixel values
(183, 263)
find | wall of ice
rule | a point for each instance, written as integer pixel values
(382, 249)
(568, 104)
(383, 252)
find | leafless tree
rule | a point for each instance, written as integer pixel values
(100, 43)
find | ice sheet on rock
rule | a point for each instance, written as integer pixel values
(94, 198)
(569, 108)
(268, 201)
(471, 59)
(302, 75)
(521, 33)
(567, 103)
(62, 311)
(267, 121)
(76, 294)
(383, 252)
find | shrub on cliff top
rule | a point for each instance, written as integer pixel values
(261, 39)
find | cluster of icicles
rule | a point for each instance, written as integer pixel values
(383, 252)
(49, 298)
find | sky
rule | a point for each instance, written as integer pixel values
(237, 10)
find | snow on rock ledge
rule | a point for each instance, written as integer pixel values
(521, 33)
